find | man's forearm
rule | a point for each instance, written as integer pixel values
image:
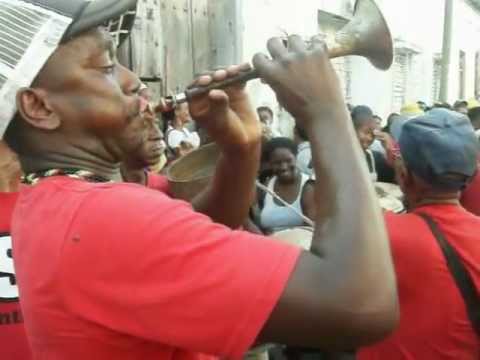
(350, 234)
(345, 187)
(229, 196)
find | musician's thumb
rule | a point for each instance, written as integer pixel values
(219, 102)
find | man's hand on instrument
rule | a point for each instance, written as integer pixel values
(302, 77)
(10, 170)
(227, 114)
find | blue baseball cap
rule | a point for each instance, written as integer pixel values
(441, 148)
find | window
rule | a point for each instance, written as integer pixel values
(461, 74)
(400, 80)
(328, 25)
(343, 69)
(477, 74)
(437, 76)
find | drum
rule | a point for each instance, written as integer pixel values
(299, 236)
(390, 189)
(190, 174)
(390, 197)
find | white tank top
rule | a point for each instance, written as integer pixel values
(278, 217)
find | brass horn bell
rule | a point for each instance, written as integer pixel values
(367, 35)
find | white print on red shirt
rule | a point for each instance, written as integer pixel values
(8, 282)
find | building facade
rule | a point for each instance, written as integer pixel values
(174, 40)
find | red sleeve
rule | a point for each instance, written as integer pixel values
(470, 199)
(7, 204)
(157, 182)
(151, 267)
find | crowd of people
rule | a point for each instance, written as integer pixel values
(98, 260)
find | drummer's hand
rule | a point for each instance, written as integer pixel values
(302, 77)
(10, 170)
(227, 114)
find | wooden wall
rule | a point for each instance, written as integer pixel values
(173, 40)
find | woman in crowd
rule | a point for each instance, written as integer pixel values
(289, 184)
(367, 131)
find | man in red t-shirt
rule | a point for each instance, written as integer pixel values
(134, 168)
(125, 272)
(438, 157)
(12, 332)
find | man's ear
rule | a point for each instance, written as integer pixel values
(402, 175)
(408, 179)
(35, 109)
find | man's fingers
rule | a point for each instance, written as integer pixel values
(296, 43)
(220, 75)
(263, 65)
(219, 97)
(318, 42)
(276, 47)
(235, 70)
(245, 67)
(202, 80)
(207, 77)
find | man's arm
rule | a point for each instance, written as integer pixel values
(233, 124)
(343, 294)
(309, 203)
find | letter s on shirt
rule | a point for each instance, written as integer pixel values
(8, 282)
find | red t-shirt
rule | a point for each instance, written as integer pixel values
(124, 272)
(471, 196)
(13, 341)
(157, 182)
(433, 318)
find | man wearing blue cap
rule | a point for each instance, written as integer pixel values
(438, 158)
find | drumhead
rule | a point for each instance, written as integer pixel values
(299, 236)
(390, 189)
(390, 197)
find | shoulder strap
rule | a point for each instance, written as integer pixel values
(461, 276)
(268, 200)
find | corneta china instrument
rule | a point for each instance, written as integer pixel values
(366, 35)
